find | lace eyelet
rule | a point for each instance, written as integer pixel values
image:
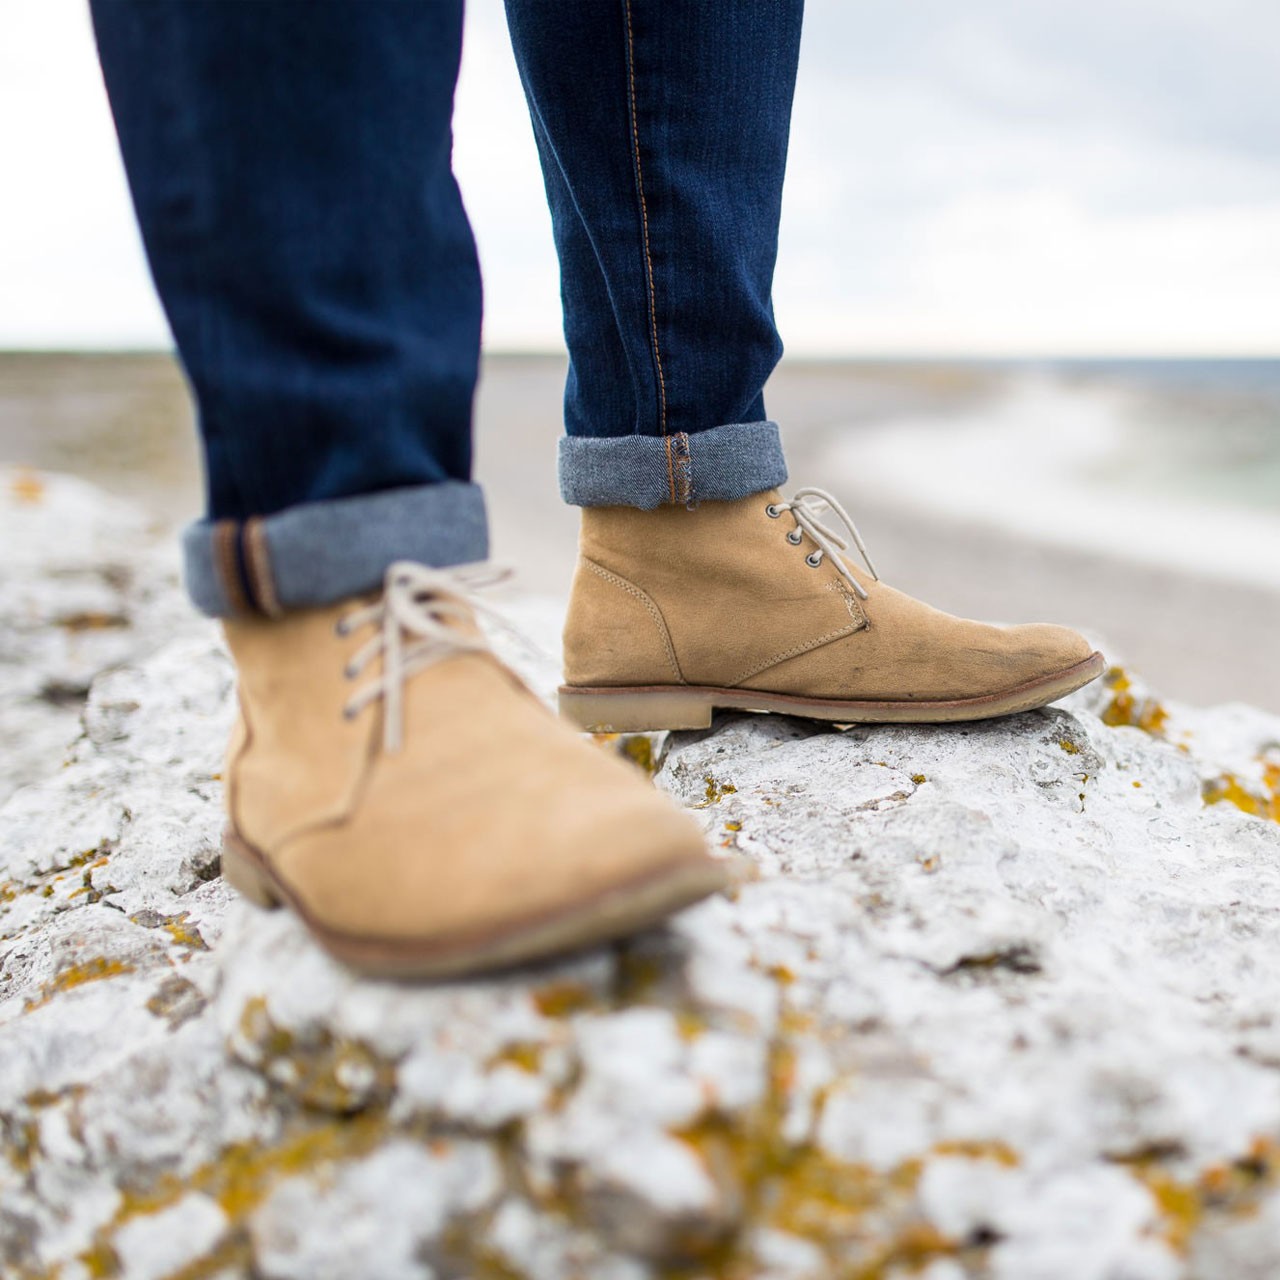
(813, 559)
(348, 713)
(772, 511)
(340, 628)
(795, 537)
(349, 672)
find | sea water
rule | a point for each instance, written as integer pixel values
(1170, 462)
(1205, 429)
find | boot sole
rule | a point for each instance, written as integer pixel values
(649, 708)
(622, 910)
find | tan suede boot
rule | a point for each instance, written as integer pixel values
(420, 810)
(751, 605)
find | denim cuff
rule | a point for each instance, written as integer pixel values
(320, 552)
(718, 465)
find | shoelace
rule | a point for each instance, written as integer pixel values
(806, 505)
(412, 615)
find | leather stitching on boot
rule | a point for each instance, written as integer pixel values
(654, 612)
(795, 651)
(856, 611)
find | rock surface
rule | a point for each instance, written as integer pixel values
(86, 585)
(997, 1001)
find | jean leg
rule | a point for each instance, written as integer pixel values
(662, 127)
(290, 165)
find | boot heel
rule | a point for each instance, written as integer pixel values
(634, 710)
(240, 871)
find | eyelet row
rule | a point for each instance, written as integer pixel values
(795, 537)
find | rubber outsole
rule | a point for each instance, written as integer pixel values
(624, 909)
(649, 708)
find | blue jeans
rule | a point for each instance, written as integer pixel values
(289, 162)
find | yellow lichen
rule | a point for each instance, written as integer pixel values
(1126, 708)
(563, 999)
(636, 747)
(1068, 746)
(919, 779)
(640, 749)
(715, 791)
(864, 1221)
(525, 1054)
(68, 979)
(239, 1178)
(330, 1073)
(1264, 802)
(690, 1025)
(1234, 1189)
(185, 935)
(639, 975)
(27, 486)
(1180, 1205)
(1000, 1152)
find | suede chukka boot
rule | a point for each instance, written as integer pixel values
(419, 809)
(755, 605)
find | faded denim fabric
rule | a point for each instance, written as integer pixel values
(290, 165)
(318, 552)
(290, 168)
(718, 465)
(662, 127)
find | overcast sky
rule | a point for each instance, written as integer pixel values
(1001, 176)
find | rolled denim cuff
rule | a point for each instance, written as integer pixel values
(718, 465)
(320, 552)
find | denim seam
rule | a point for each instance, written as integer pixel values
(644, 223)
(319, 552)
(794, 652)
(224, 553)
(646, 471)
(683, 469)
(258, 561)
(654, 612)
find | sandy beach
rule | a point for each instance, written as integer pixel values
(123, 422)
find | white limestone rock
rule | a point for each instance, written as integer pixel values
(85, 584)
(979, 1006)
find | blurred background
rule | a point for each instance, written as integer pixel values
(1029, 282)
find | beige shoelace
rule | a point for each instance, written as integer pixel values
(806, 505)
(412, 618)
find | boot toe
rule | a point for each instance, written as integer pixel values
(1045, 649)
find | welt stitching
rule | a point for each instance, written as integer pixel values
(654, 612)
(644, 222)
(224, 558)
(258, 560)
(794, 652)
(671, 474)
